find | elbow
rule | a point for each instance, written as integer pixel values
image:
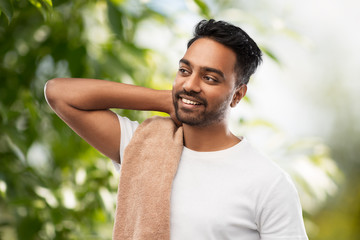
(52, 92)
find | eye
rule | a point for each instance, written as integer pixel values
(210, 79)
(183, 71)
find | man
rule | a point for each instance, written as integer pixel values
(223, 188)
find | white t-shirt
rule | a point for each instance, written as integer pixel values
(235, 193)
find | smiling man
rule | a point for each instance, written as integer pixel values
(223, 188)
(205, 88)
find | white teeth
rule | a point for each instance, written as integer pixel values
(187, 101)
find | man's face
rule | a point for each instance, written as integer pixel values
(205, 83)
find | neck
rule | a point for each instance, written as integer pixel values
(210, 138)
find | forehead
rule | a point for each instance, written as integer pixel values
(206, 52)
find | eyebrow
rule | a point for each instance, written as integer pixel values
(207, 69)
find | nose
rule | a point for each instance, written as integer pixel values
(192, 84)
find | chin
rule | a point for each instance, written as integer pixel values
(198, 122)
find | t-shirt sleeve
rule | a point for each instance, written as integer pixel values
(127, 128)
(280, 216)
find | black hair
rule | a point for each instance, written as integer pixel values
(248, 54)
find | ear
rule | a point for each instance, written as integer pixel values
(238, 95)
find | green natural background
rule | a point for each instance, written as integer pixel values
(53, 185)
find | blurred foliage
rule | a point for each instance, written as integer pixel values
(53, 185)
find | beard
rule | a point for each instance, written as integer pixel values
(206, 115)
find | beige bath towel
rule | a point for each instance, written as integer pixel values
(147, 171)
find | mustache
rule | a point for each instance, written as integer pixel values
(194, 95)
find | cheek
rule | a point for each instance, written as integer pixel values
(177, 82)
(221, 99)
(219, 93)
(177, 86)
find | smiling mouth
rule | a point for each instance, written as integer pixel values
(187, 101)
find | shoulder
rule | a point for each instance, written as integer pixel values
(127, 124)
(278, 211)
(256, 161)
(270, 180)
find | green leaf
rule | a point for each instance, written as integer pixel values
(47, 3)
(7, 9)
(204, 9)
(270, 54)
(44, 6)
(115, 19)
(262, 123)
(35, 3)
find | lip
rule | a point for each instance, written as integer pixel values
(191, 99)
(188, 101)
(187, 107)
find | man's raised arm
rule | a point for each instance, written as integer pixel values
(84, 105)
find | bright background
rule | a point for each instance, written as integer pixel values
(301, 107)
